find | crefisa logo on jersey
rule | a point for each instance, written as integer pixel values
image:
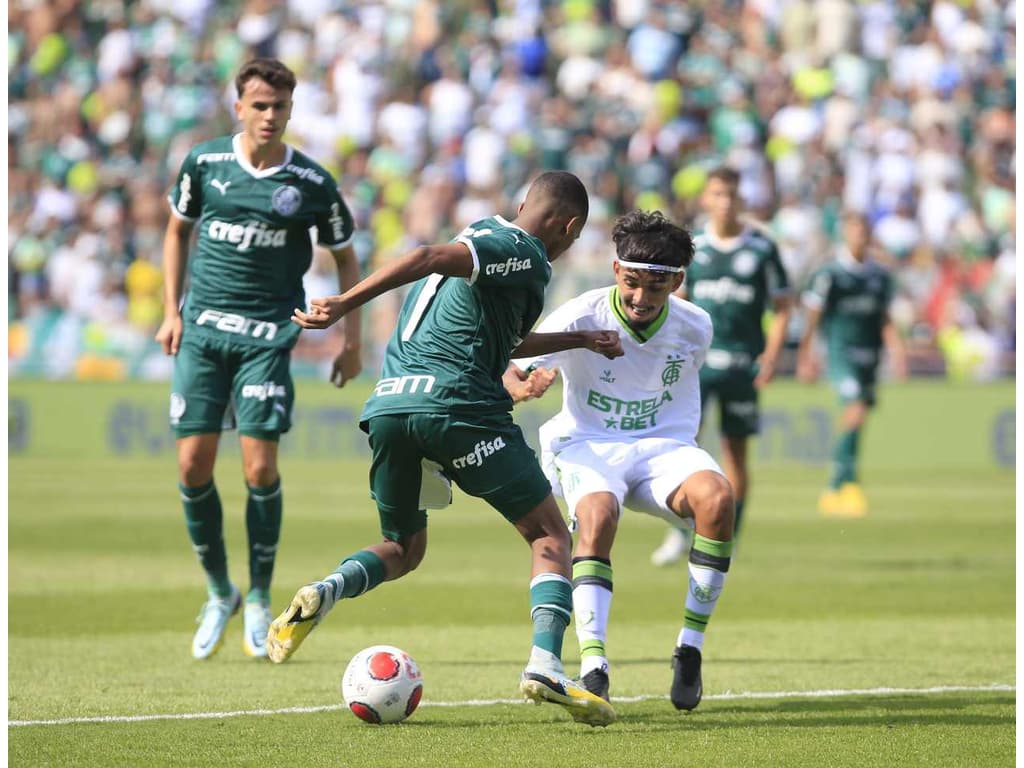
(286, 200)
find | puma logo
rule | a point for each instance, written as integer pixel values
(222, 186)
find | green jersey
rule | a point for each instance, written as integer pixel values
(854, 301)
(254, 242)
(735, 285)
(455, 335)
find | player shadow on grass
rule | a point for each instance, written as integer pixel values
(883, 711)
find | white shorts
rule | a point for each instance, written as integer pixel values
(640, 474)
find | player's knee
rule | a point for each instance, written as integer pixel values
(194, 470)
(715, 505)
(406, 556)
(260, 472)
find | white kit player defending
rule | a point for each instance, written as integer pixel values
(626, 437)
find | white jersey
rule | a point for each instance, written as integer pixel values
(652, 391)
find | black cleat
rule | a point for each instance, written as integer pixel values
(686, 682)
(596, 681)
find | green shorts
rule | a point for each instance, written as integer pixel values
(219, 385)
(854, 383)
(487, 457)
(739, 412)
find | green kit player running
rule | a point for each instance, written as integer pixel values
(849, 299)
(254, 199)
(736, 277)
(440, 412)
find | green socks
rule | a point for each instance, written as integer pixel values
(205, 520)
(844, 458)
(263, 524)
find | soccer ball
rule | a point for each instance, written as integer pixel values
(382, 684)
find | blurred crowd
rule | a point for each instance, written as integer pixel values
(433, 114)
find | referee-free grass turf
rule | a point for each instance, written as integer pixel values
(918, 596)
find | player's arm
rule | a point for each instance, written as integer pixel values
(449, 259)
(806, 365)
(781, 308)
(175, 257)
(522, 386)
(348, 363)
(894, 346)
(606, 343)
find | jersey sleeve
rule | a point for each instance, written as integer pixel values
(334, 225)
(777, 281)
(503, 260)
(818, 289)
(707, 334)
(186, 196)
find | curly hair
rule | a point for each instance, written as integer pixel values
(650, 238)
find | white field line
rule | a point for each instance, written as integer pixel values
(728, 696)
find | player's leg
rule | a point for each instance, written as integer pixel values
(544, 678)
(263, 395)
(843, 497)
(741, 418)
(592, 478)
(676, 480)
(734, 462)
(679, 537)
(504, 472)
(395, 483)
(200, 391)
(596, 517)
(707, 497)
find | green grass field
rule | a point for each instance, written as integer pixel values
(887, 641)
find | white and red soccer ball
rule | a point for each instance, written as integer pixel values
(382, 684)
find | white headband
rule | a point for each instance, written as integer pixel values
(649, 267)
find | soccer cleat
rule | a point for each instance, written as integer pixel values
(829, 504)
(596, 681)
(213, 618)
(257, 624)
(686, 683)
(674, 548)
(584, 706)
(853, 501)
(848, 501)
(306, 610)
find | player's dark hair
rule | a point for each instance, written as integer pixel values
(726, 175)
(271, 71)
(649, 238)
(565, 191)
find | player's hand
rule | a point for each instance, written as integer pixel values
(169, 334)
(346, 366)
(806, 369)
(537, 383)
(323, 313)
(606, 343)
(898, 366)
(765, 372)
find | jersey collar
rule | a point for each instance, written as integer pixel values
(249, 168)
(641, 335)
(725, 245)
(850, 264)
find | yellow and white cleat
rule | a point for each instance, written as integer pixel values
(289, 629)
(584, 706)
